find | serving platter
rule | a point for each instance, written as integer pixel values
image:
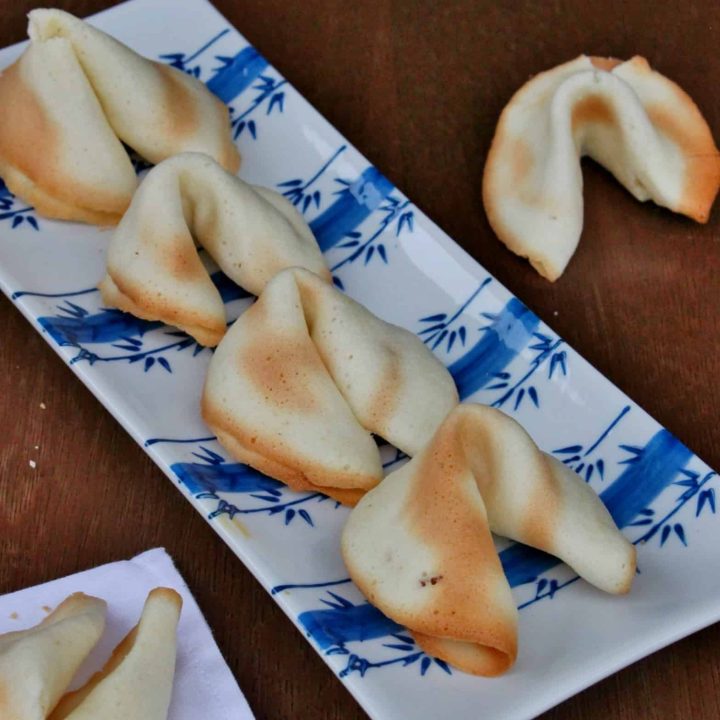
(386, 253)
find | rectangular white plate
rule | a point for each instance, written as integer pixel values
(390, 256)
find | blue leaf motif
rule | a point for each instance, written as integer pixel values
(571, 460)
(424, 665)
(162, 361)
(305, 515)
(33, 222)
(149, 362)
(569, 450)
(290, 183)
(382, 253)
(680, 532)
(434, 318)
(267, 498)
(17, 220)
(209, 456)
(707, 496)
(289, 515)
(665, 534)
(532, 392)
(276, 100)
(398, 646)
(403, 638)
(431, 329)
(251, 128)
(338, 283)
(440, 338)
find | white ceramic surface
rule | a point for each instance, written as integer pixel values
(389, 255)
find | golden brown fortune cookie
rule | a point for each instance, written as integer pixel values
(635, 122)
(419, 546)
(74, 97)
(304, 377)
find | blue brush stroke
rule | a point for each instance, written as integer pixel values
(237, 74)
(638, 486)
(4, 192)
(111, 325)
(334, 628)
(105, 326)
(226, 477)
(510, 333)
(354, 204)
(645, 478)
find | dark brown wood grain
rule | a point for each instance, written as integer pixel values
(417, 86)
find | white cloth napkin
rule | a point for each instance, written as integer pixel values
(204, 687)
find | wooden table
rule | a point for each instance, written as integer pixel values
(418, 87)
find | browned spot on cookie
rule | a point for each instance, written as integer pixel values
(605, 63)
(521, 160)
(688, 138)
(283, 370)
(30, 157)
(14, 616)
(702, 173)
(592, 109)
(28, 137)
(543, 506)
(445, 511)
(388, 392)
(182, 260)
(181, 115)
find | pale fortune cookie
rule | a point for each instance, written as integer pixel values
(153, 268)
(136, 682)
(38, 664)
(632, 120)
